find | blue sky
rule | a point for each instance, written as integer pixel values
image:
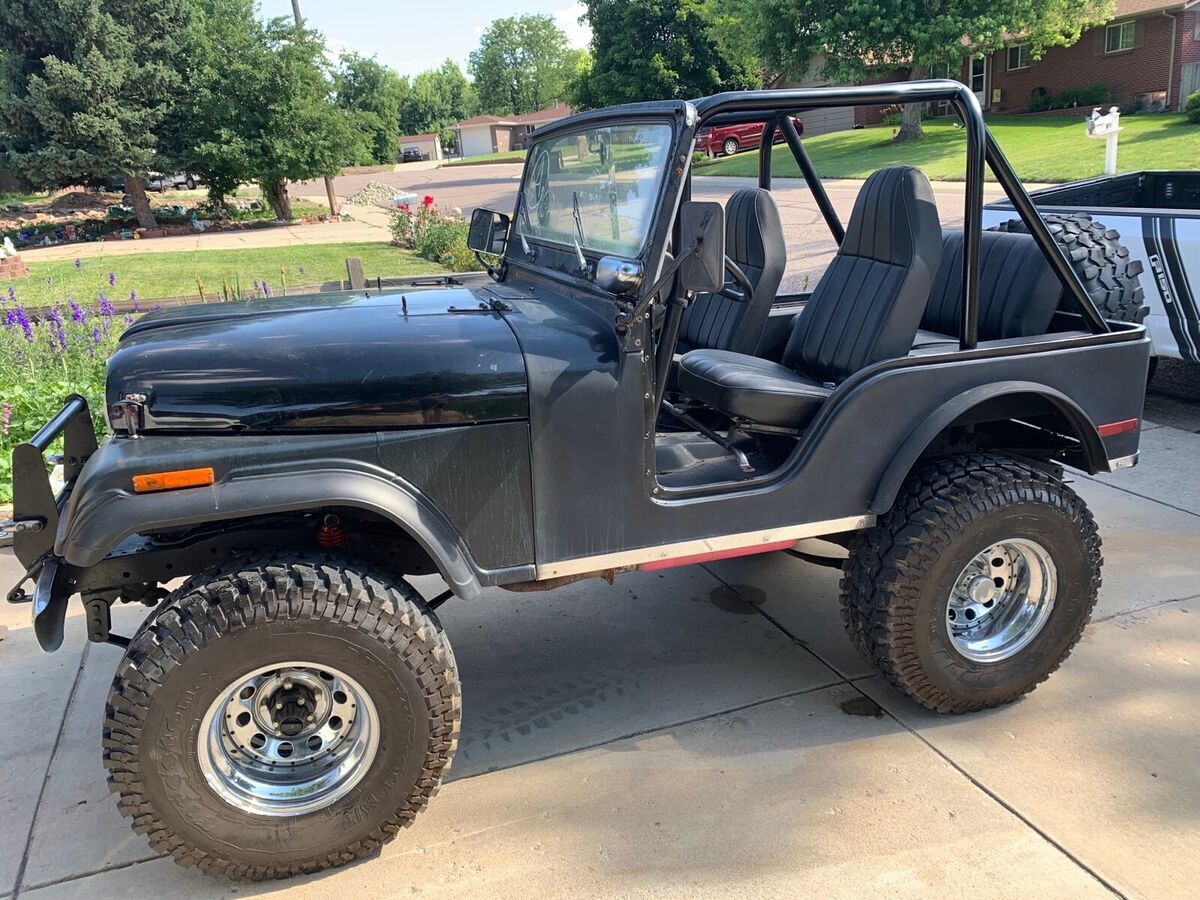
(413, 35)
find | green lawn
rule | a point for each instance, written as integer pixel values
(485, 158)
(157, 275)
(1039, 148)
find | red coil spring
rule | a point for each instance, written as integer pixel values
(331, 534)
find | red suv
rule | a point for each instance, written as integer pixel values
(729, 139)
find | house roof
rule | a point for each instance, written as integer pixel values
(1127, 8)
(549, 114)
(486, 120)
(418, 137)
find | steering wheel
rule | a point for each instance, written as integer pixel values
(746, 294)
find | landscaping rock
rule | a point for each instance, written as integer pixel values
(374, 193)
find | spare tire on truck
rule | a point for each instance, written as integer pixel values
(1108, 274)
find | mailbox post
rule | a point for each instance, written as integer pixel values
(1106, 127)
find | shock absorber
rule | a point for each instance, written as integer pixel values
(331, 534)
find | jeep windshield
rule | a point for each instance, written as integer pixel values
(595, 188)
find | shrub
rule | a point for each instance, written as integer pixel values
(434, 236)
(1192, 107)
(1041, 101)
(44, 357)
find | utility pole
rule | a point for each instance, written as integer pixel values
(330, 195)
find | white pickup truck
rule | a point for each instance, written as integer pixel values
(1135, 240)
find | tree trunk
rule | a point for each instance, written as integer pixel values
(276, 194)
(141, 204)
(910, 113)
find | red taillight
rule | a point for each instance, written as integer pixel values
(1111, 429)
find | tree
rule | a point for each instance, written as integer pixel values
(373, 94)
(523, 64)
(436, 99)
(231, 52)
(294, 132)
(918, 35)
(674, 53)
(260, 107)
(87, 88)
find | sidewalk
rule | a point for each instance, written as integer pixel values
(682, 734)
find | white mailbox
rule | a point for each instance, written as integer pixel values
(1106, 126)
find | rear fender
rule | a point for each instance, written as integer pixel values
(950, 412)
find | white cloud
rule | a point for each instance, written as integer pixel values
(335, 49)
(578, 35)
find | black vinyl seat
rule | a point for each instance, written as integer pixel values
(1018, 291)
(753, 240)
(866, 308)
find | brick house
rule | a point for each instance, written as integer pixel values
(498, 134)
(1148, 56)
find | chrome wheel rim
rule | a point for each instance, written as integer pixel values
(1001, 600)
(288, 739)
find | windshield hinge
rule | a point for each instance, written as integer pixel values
(494, 305)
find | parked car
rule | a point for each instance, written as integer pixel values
(412, 154)
(1135, 241)
(159, 181)
(154, 181)
(730, 139)
(626, 388)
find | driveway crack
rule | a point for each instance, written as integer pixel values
(37, 806)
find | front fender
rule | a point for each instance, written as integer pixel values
(253, 478)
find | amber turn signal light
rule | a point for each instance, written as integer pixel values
(170, 481)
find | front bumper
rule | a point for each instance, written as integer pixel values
(36, 513)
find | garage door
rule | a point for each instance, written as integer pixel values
(822, 121)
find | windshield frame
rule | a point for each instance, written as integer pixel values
(558, 258)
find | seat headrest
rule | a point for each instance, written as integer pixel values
(752, 227)
(894, 218)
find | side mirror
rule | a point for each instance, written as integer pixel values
(488, 232)
(618, 276)
(703, 226)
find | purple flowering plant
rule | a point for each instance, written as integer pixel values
(55, 343)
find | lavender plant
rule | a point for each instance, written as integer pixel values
(47, 356)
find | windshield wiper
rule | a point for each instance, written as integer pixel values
(580, 240)
(522, 208)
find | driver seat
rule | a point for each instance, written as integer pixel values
(866, 308)
(753, 240)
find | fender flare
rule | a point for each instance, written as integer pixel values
(103, 522)
(923, 435)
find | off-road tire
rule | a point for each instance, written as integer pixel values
(1096, 253)
(897, 581)
(210, 632)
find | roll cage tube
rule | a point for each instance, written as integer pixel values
(742, 106)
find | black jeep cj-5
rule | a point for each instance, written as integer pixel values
(625, 389)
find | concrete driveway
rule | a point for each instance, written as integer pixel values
(685, 733)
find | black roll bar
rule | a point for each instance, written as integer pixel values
(764, 152)
(742, 106)
(812, 179)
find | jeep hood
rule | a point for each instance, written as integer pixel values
(374, 361)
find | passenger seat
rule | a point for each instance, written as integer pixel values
(865, 308)
(1018, 291)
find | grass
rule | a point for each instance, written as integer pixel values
(158, 275)
(1039, 148)
(8, 198)
(485, 158)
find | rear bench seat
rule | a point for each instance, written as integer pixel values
(1018, 291)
